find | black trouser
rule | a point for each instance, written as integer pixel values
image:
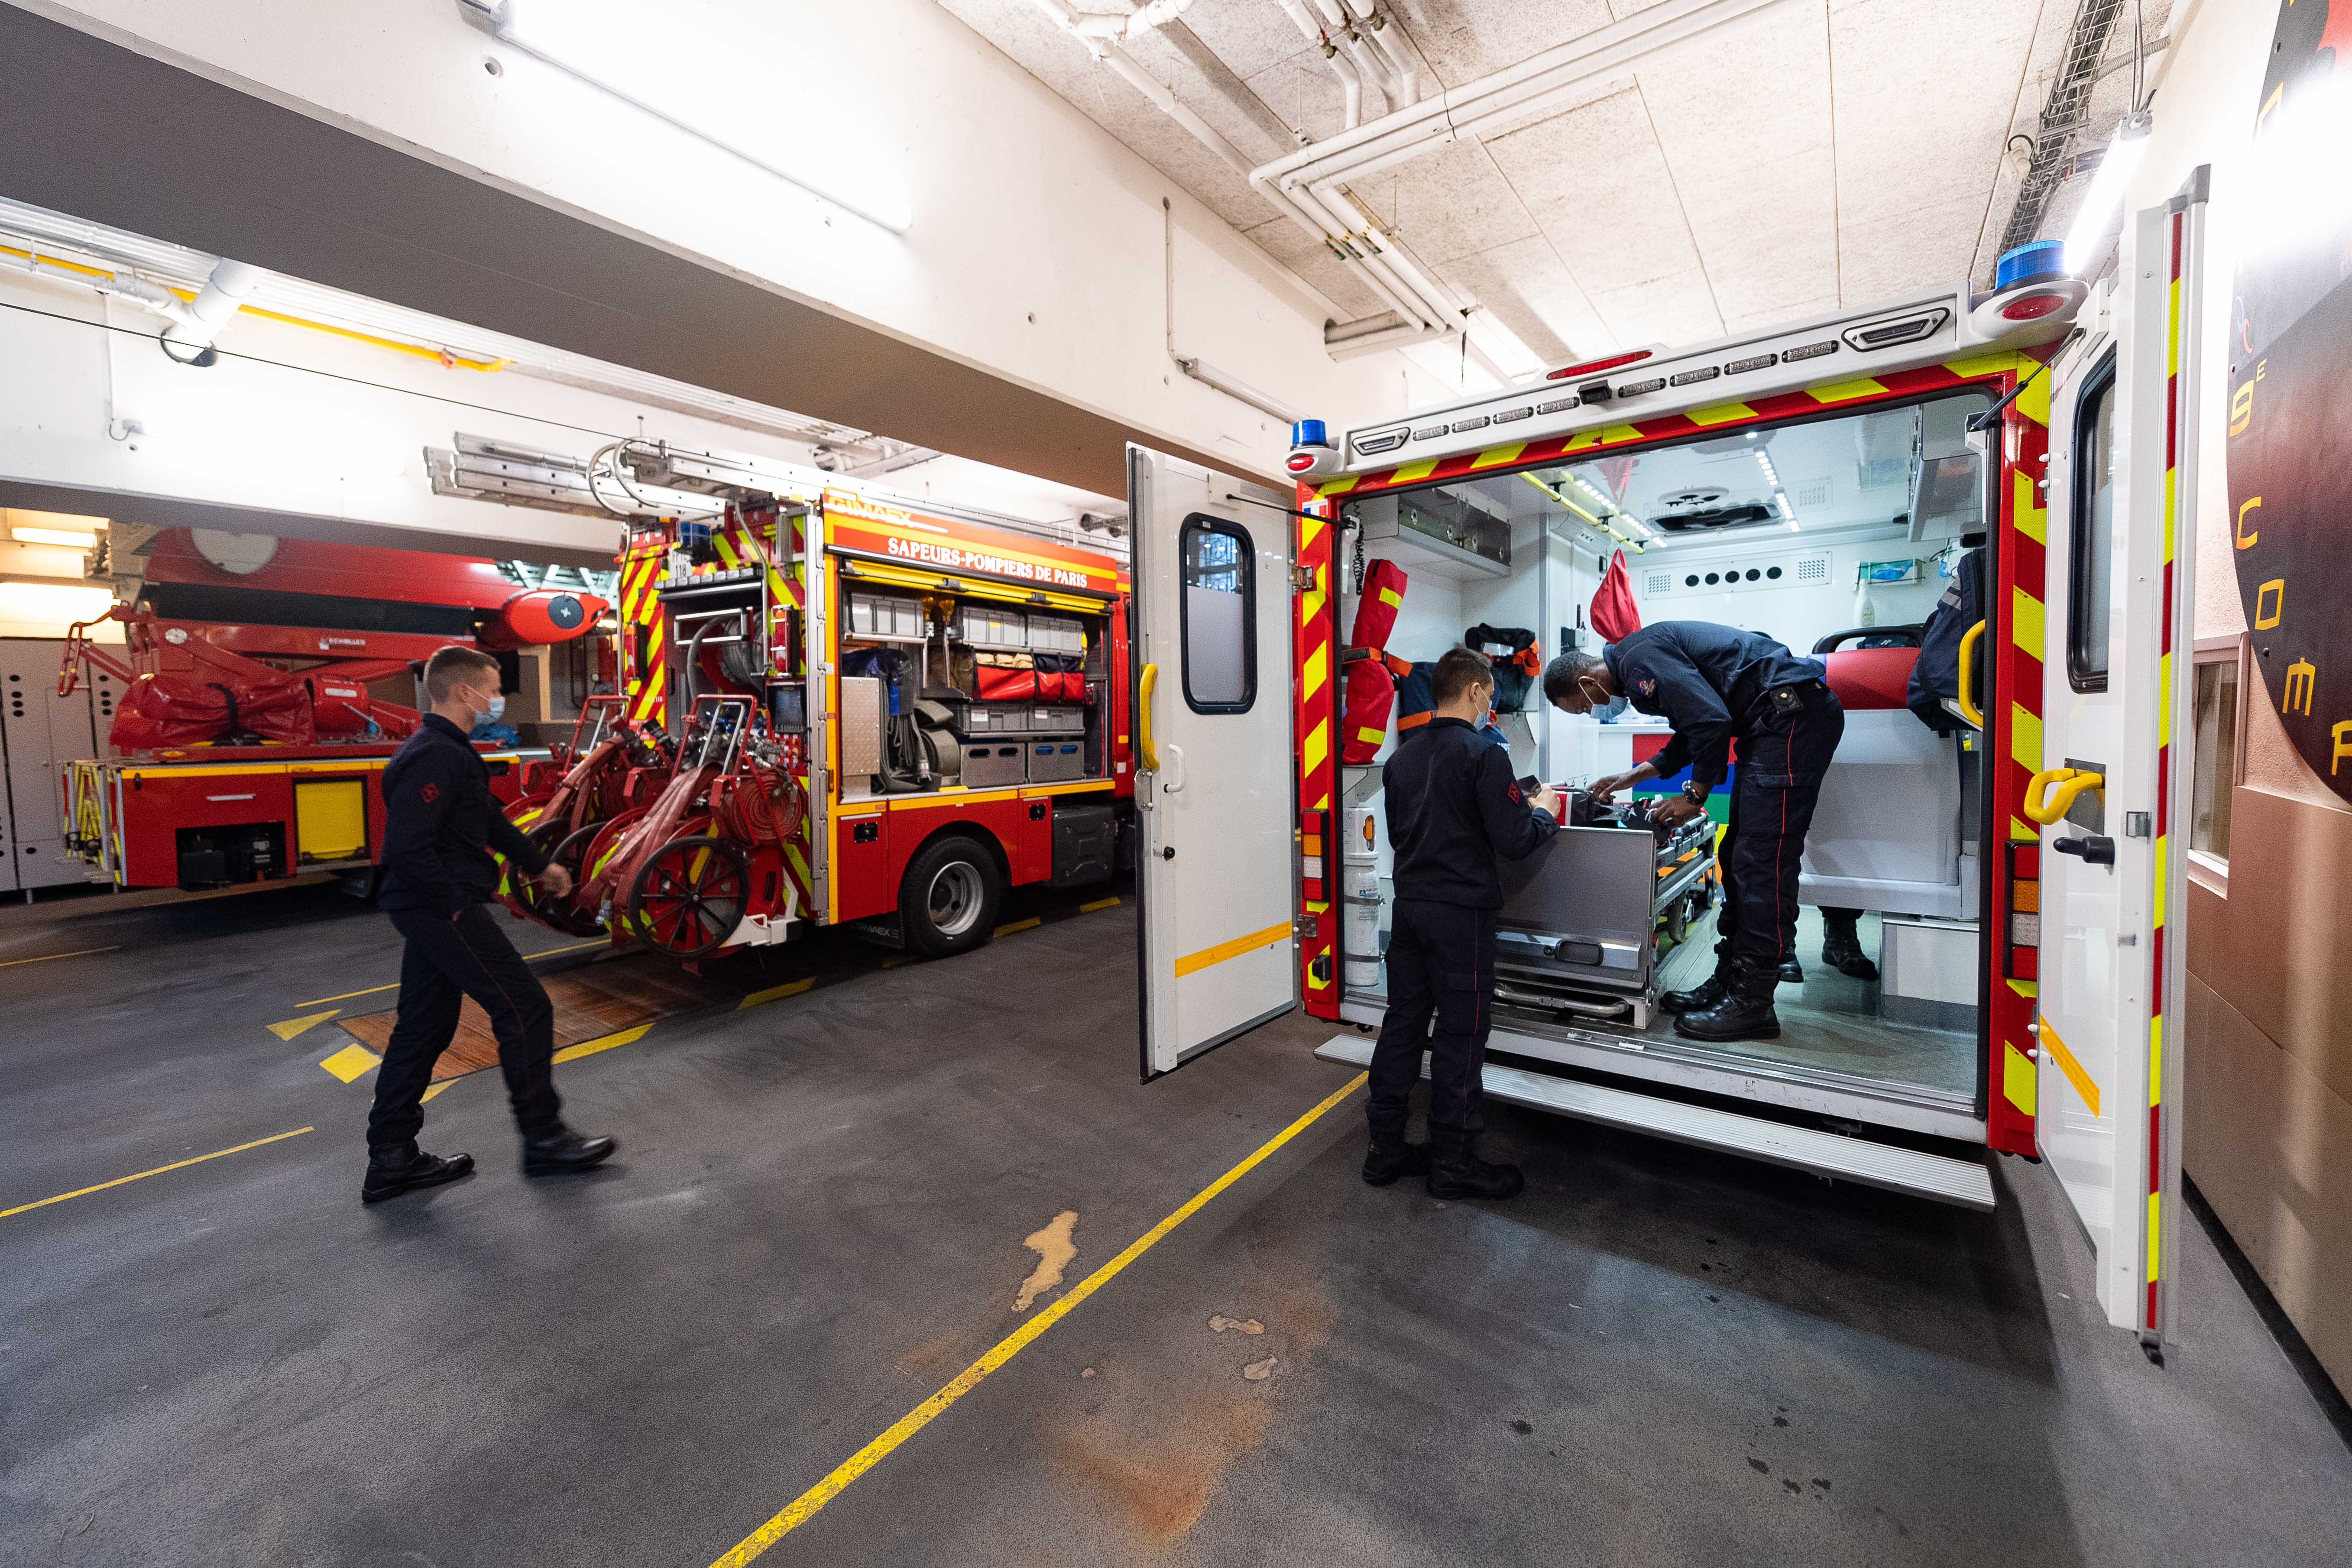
(1781, 760)
(446, 961)
(1441, 964)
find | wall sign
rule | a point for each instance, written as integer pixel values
(2290, 365)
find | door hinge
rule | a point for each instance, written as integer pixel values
(2136, 824)
(1304, 927)
(1302, 579)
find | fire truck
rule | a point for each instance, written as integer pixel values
(2018, 863)
(862, 714)
(249, 741)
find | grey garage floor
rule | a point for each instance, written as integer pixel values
(817, 1220)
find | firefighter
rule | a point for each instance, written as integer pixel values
(1453, 807)
(440, 824)
(1716, 685)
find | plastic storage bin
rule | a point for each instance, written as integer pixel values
(884, 615)
(1060, 719)
(988, 718)
(991, 626)
(1056, 634)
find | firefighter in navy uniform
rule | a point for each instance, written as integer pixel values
(440, 824)
(1453, 807)
(1716, 685)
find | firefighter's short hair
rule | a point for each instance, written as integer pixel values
(450, 666)
(1458, 670)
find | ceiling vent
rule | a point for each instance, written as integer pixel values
(1811, 492)
(1658, 582)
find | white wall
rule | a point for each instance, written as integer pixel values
(1796, 615)
(1035, 247)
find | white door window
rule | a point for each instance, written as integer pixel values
(1215, 787)
(2115, 810)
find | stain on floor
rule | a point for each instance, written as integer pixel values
(1055, 1248)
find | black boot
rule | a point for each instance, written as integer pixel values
(1791, 972)
(1698, 999)
(1746, 1014)
(1385, 1162)
(1841, 949)
(1456, 1171)
(397, 1168)
(559, 1148)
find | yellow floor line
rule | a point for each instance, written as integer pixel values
(48, 957)
(775, 993)
(805, 1507)
(1111, 902)
(143, 1175)
(601, 1043)
(294, 1026)
(351, 1062)
(394, 985)
(1008, 929)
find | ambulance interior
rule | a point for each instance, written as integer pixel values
(1836, 535)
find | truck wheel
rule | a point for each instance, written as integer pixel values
(948, 899)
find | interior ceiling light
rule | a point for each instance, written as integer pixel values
(695, 85)
(2083, 241)
(72, 538)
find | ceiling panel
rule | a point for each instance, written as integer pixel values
(1596, 182)
(1464, 40)
(1449, 203)
(1679, 308)
(1890, 256)
(1306, 256)
(1925, 89)
(1529, 291)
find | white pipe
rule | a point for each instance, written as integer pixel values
(1376, 27)
(1143, 19)
(1515, 89)
(1144, 82)
(1201, 371)
(223, 292)
(1351, 86)
(1369, 65)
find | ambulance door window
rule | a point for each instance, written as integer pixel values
(1219, 621)
(2091, 555)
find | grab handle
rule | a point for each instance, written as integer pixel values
(1147, 755)
(2071, 782)
(1968, 709)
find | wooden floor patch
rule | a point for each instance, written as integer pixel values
(591, 1002)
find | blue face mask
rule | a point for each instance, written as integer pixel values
(1607, 713)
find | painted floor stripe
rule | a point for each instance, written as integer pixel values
(351, 1062)
(1109, 903)
(293, 1026)
(805, 1507)
(51, 957)
(601, 1043)
(394, 985)
(143, 1175)
(776, 992)
(1012, 926)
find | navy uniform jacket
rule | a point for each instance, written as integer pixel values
(1705, 680)
(440, 824)
(1452, 806)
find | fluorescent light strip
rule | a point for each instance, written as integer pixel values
(508, 29)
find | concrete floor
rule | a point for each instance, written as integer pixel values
(1654, 1356)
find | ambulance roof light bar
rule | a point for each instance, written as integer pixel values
(1594, 366)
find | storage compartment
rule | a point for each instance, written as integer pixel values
(1084, 840)
(1053, 761)
(884, 615)
(990, 764)
(245, 852)
(1058, 719)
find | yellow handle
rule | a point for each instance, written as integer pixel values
(2070, 783)
(1968, 709)
(1148, 755)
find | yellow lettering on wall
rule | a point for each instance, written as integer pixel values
(2272, 595)
(2301, 677)
(2242, 407)
(2343, 746)
(2245, 539)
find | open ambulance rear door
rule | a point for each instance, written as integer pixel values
(1216, 789)
(2112, 789)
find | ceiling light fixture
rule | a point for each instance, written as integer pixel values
(2085, 240)
(607, 42)
(71, 538)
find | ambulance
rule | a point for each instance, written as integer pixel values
(1824, 482)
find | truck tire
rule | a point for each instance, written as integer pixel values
(948, 898)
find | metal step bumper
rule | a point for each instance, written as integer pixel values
(1967, 1183)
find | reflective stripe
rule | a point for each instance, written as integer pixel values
(1192, 963)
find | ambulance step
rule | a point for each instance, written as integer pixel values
(1963, 1182)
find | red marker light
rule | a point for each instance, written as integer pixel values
(1592, 365)
(2032, 307)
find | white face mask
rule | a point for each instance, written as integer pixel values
(497, 708)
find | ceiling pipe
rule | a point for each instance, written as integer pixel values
(189, 340)
(1369, 64)
(1142, 19)
(1351, 86)
(1373, 23)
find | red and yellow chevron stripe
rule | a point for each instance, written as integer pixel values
(2014, 746)
(1722, 416)
(645, 673)
(1317, 719)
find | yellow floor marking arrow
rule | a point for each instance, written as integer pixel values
(351, 1062)
(293, 1026)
